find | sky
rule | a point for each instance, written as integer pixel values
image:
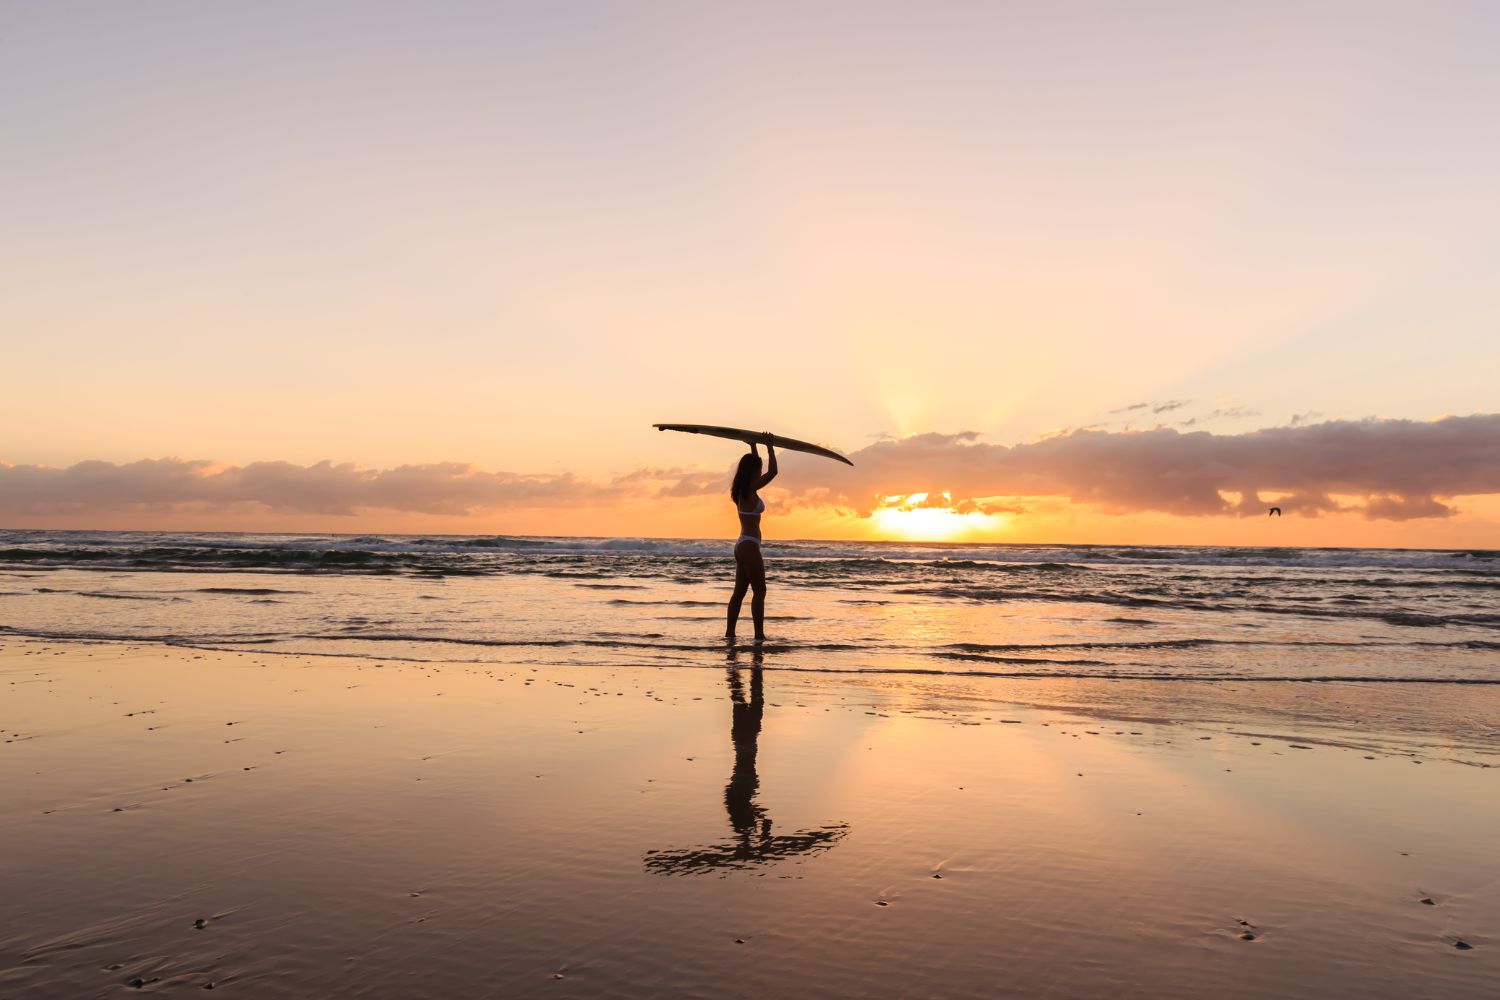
(438, 267)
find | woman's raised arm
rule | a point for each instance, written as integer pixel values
(771, 468)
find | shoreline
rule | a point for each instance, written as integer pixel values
(1372, 714)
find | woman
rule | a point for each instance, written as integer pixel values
(749, 567)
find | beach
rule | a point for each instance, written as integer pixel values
(325, 765)
(280, 825)
(834, 500)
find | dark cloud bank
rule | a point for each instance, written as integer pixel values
(1395, 469)
(1387, 469)
(445, 488)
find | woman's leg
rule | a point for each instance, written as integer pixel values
(757, 574)
(741, 584)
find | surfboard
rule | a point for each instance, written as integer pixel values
(755, 437)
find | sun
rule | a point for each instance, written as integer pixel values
(932, 524)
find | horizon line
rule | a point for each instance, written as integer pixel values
(924, 543)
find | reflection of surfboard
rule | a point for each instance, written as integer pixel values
(755, 437)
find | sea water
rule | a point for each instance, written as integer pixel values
(1158, 613)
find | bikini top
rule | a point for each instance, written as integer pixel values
(760, 508)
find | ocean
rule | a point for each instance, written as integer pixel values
(1157, 613)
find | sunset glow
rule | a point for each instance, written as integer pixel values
(459, 299)
(935, 524)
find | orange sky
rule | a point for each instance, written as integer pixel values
(1477, 527)
(648, 508)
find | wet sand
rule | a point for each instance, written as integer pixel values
(176, 819)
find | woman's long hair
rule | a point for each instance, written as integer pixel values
(745, 476)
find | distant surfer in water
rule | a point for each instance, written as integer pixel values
(749, 567)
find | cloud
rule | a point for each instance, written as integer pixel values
(1223, 413)
(677, 482)
(445, 488)
(1383, 469)
(1155, 408)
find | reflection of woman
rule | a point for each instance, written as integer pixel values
(753, 843)
(749, 567)
(744, 733)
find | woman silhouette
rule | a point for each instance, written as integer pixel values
(749, 567)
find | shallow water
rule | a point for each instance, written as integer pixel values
(1086, 611)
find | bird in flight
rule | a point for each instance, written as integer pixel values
(1274, 510)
